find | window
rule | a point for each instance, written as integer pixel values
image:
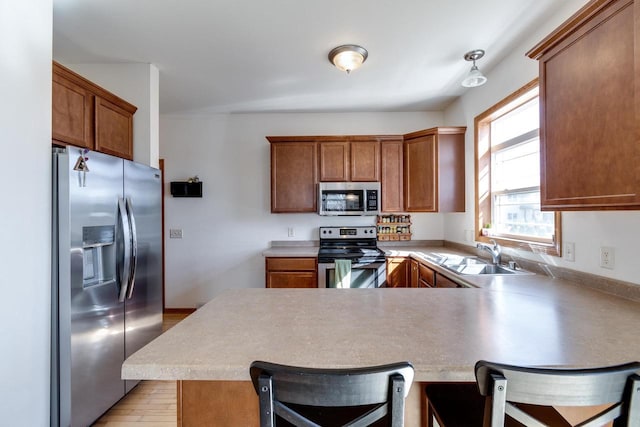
(507, 147)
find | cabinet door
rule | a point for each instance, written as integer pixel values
(426, 277)
(420, 184)
(451, 172)
(293, 177)
(114, 129)
(72, 113)
(391, 165)
(445, 282)
(334, 161)
(365, 161)
(397, 272)
(590, 110)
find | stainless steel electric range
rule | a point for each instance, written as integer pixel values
(356, 244)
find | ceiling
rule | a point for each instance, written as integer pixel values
(271, 56)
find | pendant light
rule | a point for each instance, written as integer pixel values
(348, 57)
(475, 77)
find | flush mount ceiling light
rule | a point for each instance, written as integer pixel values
(348, 57)
(475, 77)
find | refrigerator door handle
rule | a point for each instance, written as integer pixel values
(124, 266)
(134, 248)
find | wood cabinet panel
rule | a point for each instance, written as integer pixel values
(349, 158)
(293, 176)
(434, 168)
(365, 161)
(414, 274)
(444, 282)
(397, 272)
(590, 109)
(451, 172)
(292, 279)
(72, 113)
(334, 161)
(420, 174)
(291, 272)
(291, 264)
(217, 404)
(113, 129)
(391, 180)
(426, 277)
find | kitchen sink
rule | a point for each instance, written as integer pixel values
(470, 265)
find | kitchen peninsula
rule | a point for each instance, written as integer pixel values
(534, 320)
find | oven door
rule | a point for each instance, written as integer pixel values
(363, 275)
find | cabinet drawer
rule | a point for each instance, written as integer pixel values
(426, 274)
(291, 264)
(292, 279)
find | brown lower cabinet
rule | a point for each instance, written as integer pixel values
(291, 273)
(397, 272)
(404, 272)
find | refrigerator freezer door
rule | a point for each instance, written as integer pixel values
(89, 326)
(143, 319)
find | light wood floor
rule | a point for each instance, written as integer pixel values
(150, 403)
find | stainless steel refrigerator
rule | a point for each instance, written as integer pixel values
(107, 278)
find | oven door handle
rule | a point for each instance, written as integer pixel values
(370, 265)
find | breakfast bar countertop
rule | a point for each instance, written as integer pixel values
(533, 320)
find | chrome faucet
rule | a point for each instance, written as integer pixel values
(494, 250)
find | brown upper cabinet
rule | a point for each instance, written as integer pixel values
(391, 170)
(349, 158)
(590, 109)
(293, 175)
(434, 170)
(334, 160)
(88, 116)
(420, 172)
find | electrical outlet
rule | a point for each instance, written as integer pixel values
(175, 233)
(569, 251)
(607, 257)
(291, 232)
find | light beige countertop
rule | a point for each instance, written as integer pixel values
(534, 320)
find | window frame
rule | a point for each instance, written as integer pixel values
(482, 163)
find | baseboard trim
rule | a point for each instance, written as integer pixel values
(179, 310)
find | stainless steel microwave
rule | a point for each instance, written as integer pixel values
(349, 198)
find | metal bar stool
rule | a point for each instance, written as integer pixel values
(526, 396)
(306, 397)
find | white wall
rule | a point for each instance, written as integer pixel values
(226, 231)
(25, 173)
(138, 84)
(588, 230)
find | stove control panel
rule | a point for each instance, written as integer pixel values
(358, 232)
